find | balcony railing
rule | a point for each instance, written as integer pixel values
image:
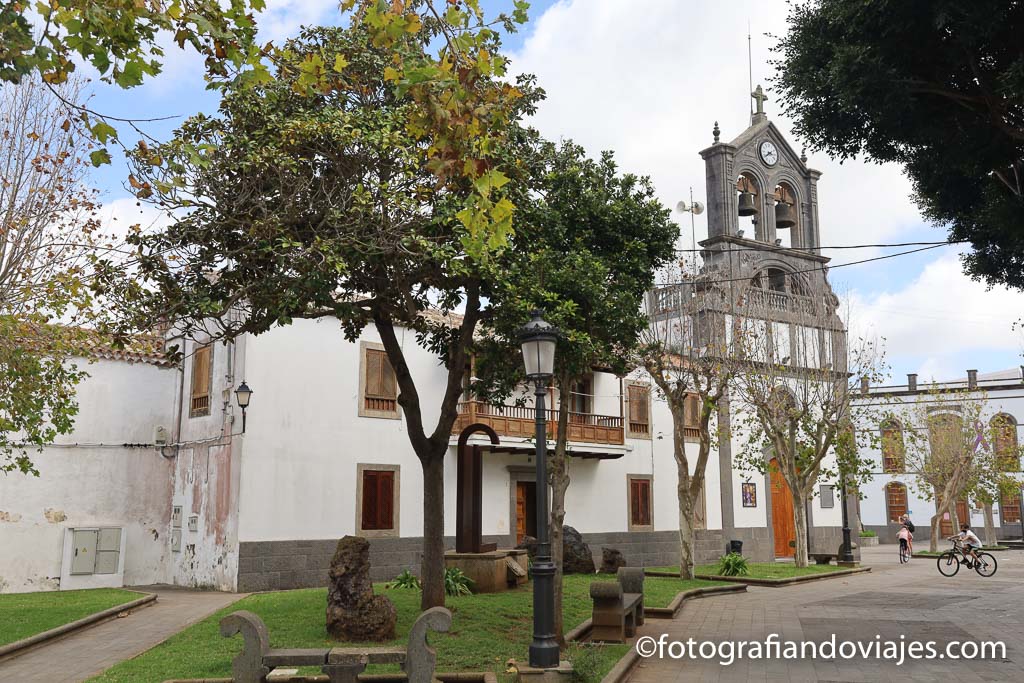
(779, 301)
(519, 421)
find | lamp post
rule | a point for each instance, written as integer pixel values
(847, 548)
(243, 394)
(538, 339)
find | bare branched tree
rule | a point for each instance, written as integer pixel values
(49, 234)
(793, 393)
(688, 356)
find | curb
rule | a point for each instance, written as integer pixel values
(778, 583)
(624, 667)
(681, 597)
(19, 647)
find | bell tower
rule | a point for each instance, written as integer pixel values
(759, 189)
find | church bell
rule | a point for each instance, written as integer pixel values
(747, 207)
(785, 215)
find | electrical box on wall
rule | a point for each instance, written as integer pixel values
(176, 541)
(160, 436)
(176, 517)
(93, 558)
(193, 523)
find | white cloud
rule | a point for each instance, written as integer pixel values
(648, 79)
(940, 315)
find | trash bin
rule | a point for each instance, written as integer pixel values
(736, 547)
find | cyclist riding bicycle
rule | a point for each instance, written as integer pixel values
(970, 541)
(906, 538)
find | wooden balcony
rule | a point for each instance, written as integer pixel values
(518, 421)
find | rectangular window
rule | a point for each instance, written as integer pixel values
(691, 417)
(639, 406)
(639, 503)
(580, 399)
(202, 371)
(1011, 509)
(828, 497)
(378, 513)
(380, 388)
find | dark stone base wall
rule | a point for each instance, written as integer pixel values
(281, 565)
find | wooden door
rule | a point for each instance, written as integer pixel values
(520, 511)
(962, 515)
(782, 514)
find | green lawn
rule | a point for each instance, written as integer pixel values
(487, 630)
(26, 614)
(759, 570)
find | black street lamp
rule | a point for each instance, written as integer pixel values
(847, 548)
(538, 339)
(243, 394)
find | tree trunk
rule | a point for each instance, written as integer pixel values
(686, 531)
(990, 525)
(432, 567)
(558, 472)
(933, 542)
(800, 557)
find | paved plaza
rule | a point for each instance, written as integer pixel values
(89, 652)
(891, 601)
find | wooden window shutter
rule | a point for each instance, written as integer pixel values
(381, 387)
(1011, 509)
(378, 500)
(692, 416)
(200, 391)
(896, 500)
(640, 502)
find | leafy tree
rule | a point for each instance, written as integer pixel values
(298, 201)
(49, 237)
(588, 243)
(936, 86)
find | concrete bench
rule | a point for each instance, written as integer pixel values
(822, 558)
(618, 606)
(341, 664)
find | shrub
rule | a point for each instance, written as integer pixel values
(867, 533)
(586, 662)
(732, 564)
(405, 580)
(457, 583)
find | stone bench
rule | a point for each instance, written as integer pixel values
(822, 558)
(341, 664)
(618, 606)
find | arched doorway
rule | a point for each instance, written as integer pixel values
(783, 528)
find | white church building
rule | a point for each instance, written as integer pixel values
(892, 490)
(159, 483)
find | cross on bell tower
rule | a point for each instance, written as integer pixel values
(760, 98)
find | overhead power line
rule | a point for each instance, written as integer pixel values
(808, 270)
(842, 246)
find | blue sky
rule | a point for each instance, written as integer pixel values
(647, 79)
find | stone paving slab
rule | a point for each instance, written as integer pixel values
(912, 601)
(85, 654)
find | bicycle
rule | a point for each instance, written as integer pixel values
(904, 551)
(949, 562)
